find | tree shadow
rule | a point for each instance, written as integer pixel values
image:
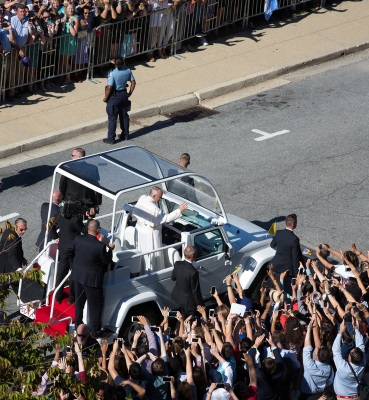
(28, 177)
(267, 224)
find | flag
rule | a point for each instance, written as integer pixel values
(269, 7)
(273, 228)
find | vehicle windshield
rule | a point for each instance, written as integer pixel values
(197, 190)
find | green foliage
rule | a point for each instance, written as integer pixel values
(23, 351)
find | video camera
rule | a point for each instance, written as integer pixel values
(77, 207)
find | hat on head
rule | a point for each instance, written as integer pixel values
(273, 294)
(215, 376)
(247, 303)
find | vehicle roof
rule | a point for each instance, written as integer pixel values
(115, 171)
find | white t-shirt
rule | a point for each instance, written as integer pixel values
(341, 270)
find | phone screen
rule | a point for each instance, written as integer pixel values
(166, 378)
(213, 289)
(211, 313)
(195, 340)
(135, 319)
(172, 314)
(155, 329)
(293, 281)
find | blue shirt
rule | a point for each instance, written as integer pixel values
(119, 77)
(4, 40)
(345, 383)
(316, 374)
(156, 388)
(20, 30)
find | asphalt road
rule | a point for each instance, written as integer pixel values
(317, 170)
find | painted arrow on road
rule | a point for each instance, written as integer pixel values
(266, 135)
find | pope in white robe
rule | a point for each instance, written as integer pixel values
(148, 228)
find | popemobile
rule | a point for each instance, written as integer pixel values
(225, 243)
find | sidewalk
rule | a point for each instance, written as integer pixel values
(166, 85)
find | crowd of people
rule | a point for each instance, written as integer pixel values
(303, 334)
(41, 39)
(310, 344)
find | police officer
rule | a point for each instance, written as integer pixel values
(116, 97)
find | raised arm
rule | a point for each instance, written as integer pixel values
(111, 365)
(231, 297)
(360, 254)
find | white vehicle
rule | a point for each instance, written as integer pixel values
(224, 242)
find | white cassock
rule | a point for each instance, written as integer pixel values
(148, 232)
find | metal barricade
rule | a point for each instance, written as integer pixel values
(128, 38)
(58, 56)
(64, 55)
(200, 18)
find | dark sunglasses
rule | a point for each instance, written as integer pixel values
(78, 334)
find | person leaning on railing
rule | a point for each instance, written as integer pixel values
(22, 30)
(68, 42)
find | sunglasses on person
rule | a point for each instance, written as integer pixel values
(83, 336)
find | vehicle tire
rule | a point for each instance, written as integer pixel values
(129, 328)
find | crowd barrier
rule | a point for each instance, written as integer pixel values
(58, 56)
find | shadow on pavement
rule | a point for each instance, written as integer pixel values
(28, 177)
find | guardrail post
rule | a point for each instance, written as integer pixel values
(3, 76)
(91, 55)
(245, 22)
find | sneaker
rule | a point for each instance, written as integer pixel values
(201, 34)
(203, 42)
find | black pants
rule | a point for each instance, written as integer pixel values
(95, 305)
(118, 104)
(63, 268)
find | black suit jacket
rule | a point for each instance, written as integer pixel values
(90, 173)
(187, 291)
(53, 234)
(69, 228)
(89, 257)
(288, 255)
(11, 251)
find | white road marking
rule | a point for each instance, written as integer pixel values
(266, 135)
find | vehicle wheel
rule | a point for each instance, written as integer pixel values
(129, 328)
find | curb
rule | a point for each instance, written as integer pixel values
(177, 103)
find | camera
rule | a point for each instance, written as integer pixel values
(72, 208)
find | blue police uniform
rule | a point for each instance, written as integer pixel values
(118, 103)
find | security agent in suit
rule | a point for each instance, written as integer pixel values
(70, 226)
(90, 258)
(187, 292)
(11, 251)
(86, 171)
(288, 252)
(55, 213)
(116, 97)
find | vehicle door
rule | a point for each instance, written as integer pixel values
(212, 259)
